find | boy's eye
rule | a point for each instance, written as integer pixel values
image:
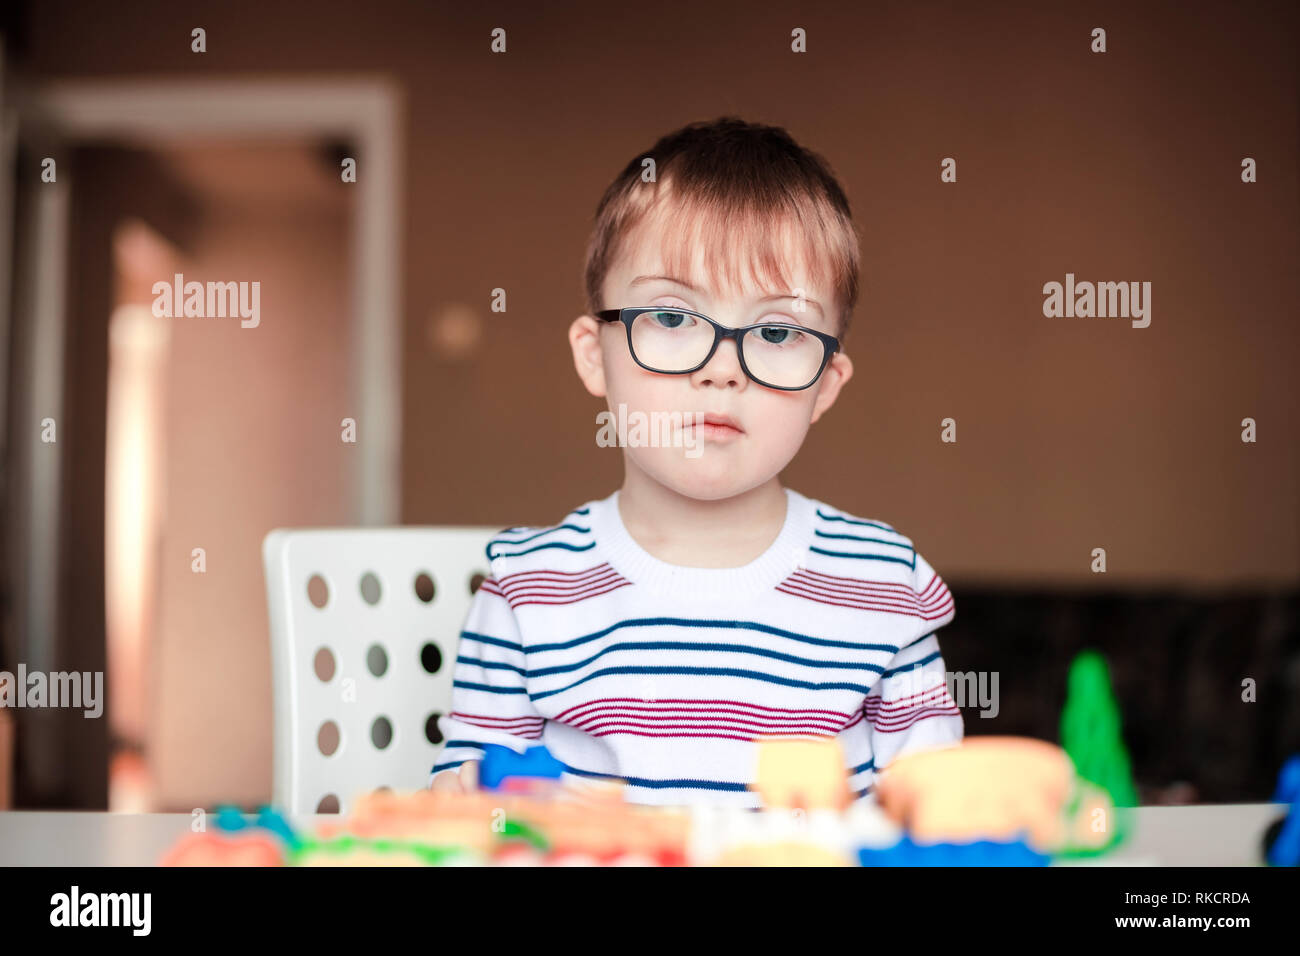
(776, 336)
(670, 320)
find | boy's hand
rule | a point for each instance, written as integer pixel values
(462, 779)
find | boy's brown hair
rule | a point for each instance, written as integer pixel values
(741, 189)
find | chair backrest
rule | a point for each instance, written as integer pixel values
(365, 625)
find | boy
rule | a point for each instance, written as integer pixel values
(654, 635)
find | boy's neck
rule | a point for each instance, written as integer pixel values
(726, 533)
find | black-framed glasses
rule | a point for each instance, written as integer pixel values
(678, 341)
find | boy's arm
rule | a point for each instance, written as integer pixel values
(489, 697)
(909, 708)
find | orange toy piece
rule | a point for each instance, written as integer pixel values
(608, 830)
(429, 817)
(985, 788)
(799, 772)
(209, 849)
(595, 823)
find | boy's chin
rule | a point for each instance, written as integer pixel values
(701, 479)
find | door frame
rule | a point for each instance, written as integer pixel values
(368, 113)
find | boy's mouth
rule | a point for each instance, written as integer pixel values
(714, 425)
(712, 419)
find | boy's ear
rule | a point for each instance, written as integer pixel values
(588, 360)
(838, 371)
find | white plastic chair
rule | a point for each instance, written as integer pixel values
(377, 655)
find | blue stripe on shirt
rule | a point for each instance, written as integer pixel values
(492, 665)
(494, 641)
(539, 547)
(867, 557)
(466, 685)
(908, 667)
(854, 537)
(870, 524)
(714, 623)
(691, 646)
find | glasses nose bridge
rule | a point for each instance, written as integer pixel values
(720, 334)
(723, 332)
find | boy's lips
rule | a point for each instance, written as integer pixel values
(716, 427)
(712, 418)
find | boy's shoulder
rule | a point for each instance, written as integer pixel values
(558, 546)
(856, 561)
(859, 547)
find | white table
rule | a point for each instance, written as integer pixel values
(1203, 835)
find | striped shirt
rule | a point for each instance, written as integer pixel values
(664, 677)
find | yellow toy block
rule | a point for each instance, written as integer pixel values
(985, 788)
(782, 854)
(801, 772)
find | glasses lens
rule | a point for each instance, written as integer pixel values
(670, 341)
(783, 357)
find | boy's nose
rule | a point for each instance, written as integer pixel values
(723, 368)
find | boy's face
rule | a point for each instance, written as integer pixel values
(772, 422)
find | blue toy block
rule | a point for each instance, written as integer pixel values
(1288, 781)
(1285, 850)
(231, 820)
(502, 763)
(273, 820)
(978, 853)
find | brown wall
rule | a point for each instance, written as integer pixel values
(1073, 433)
(253, 443)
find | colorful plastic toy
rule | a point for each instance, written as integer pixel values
(356, 851)
(977, 853)
(221, 849)
(985, 801)
(800, 772)
(985, 788)
(235, 841)
(1282, 844)
(505, 769)
(1091, 735)
(782, 854)
(231, 820)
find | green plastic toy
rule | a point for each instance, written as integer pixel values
(1091, 736)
